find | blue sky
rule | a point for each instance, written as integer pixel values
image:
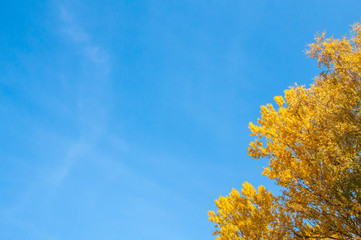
(126, 119)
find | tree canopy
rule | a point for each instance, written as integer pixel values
(312, 138)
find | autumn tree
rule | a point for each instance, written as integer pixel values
(312, 138)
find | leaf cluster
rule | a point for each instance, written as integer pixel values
(312, 138)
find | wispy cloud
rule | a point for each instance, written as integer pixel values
(75, 150)
(70, 26)
(94, 86)
(71, 29)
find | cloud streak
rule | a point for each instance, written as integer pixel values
(93, 93)
(72, 30)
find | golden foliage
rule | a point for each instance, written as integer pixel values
(313, 142)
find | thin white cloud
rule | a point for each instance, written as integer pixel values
(96, 54)
(92, 107)
(70, 27)
(72, 30)
(75, 150)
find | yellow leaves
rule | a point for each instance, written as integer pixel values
(313, 143)
(256, 149)
(279, 100)
(254, 129)
(251, 214)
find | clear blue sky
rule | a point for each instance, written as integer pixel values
(126, 119)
